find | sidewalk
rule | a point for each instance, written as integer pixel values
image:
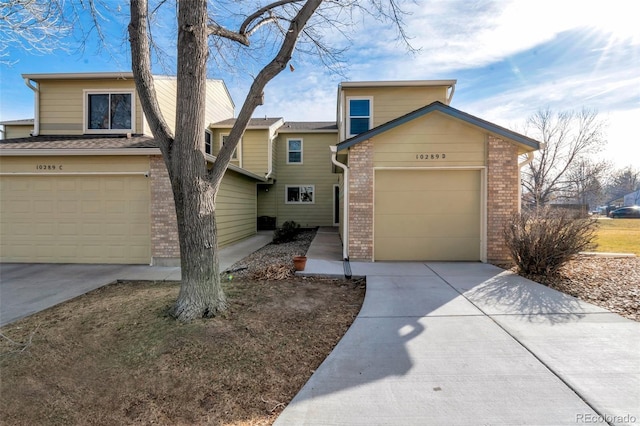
(440, 343)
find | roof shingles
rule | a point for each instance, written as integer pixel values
(79, 142)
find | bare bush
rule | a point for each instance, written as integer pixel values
(542, 240)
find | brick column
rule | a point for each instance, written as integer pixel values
(502, 195)
(361, 201)
(165, 247)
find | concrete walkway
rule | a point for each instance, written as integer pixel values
(471, 344)
(27, 288)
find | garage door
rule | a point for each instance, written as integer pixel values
(427, 215)
(75, 219)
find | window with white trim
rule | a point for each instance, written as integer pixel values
(234, 156)
(294, 151)
(207, 142)
(299, 194)
(109, 112)
(359, 115)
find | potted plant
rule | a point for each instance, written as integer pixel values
(299, 262)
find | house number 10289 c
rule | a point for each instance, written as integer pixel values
(48, 167)
(431, 156)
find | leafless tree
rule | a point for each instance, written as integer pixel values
(622, 182)
(568, 138)
(31, 25)
(585, 181)
(195, 183)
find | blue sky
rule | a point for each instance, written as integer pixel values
(510, 58)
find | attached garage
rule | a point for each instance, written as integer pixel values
(436, 184)
(428, 215)
(75, 210)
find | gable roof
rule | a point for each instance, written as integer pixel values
(447, 110)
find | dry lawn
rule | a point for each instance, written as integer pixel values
(618, 236)
(114, 357)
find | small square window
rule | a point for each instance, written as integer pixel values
(207, 143)
(359, 116)
(106, 112)
(294, 151)
(234, 156)
(300, 194)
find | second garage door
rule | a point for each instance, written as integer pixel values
(427, 215)
(75, 219)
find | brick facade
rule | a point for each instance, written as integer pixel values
(361, 201)
(502, 194)
(165, 247)
(502, 197)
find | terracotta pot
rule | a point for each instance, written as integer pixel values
(299, 262)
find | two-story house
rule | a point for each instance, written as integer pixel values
(90, 185)
(403, 174)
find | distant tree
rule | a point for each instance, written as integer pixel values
(585, 182)
(568, 137)
(622, 182)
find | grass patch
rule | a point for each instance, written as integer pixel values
(618, 236)
(113, 356)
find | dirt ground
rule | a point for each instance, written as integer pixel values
(611, 283)
(113, 356)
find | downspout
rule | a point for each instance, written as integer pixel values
(453, 89)
(269, 158)
(520, 166)
(345, 201)
(36, 118)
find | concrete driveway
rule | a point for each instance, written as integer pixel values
(27, 288)
(471, 344)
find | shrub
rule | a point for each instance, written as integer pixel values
(542, 240)
(288, 232)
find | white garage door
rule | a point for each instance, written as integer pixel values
(427, 215)
(75, 219)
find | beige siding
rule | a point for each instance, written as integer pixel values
(62, 104)
(236, 208)
(316, 170)
(17, 131)
(65, 217)
(392, 102)
(446, 141)
(218, 103)
(255, 151)
(267, 200)
(166, 89)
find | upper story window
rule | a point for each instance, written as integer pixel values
(359, 117)
(111, 112)
(235, 156)
(294, 151)
(207, 142)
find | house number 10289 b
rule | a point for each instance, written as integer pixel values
(431, 156)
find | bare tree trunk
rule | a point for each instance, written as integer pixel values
(201, 293)
(194, 187)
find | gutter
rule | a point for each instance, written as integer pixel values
(36, 118)
(345, 201)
